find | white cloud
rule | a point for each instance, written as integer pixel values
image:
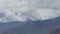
(21, 10)
(44, 14)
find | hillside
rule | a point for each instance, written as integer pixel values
(36, 27)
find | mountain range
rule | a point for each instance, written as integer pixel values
(30, 27)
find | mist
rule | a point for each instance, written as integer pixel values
(22, 10)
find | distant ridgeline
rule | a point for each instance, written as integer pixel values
(30, 27)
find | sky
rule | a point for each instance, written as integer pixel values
(22, 10)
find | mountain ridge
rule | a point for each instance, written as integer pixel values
(35, 27)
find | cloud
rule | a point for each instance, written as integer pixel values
(22, 10)
(44, 14)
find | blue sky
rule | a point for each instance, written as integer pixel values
(21, 10)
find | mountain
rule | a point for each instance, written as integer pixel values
(56, 31)
(9, 25)
(32, 27)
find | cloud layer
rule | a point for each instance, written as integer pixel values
(22, 10)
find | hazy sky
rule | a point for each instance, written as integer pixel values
(21, 10)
